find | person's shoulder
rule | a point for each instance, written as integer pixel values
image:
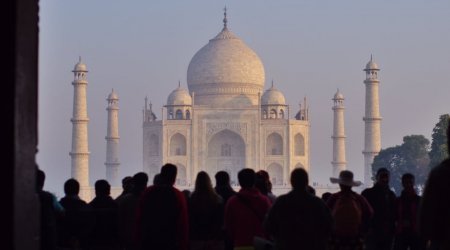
(284, 197)
(359, 197)
(233, 199)
(317, 200)
(392, 194)
(367, 190)
(46, 196)
(442, 168)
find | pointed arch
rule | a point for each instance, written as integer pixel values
(273, 114)
(274, 144)
(177, 144)
(275, 171)
(179, 114)
(226, 151)
(281, 115)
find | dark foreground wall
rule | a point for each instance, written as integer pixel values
(19, 205)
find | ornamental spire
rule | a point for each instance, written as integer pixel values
(225, 20)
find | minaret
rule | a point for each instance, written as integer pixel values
(372, 120)
(112, 140)
(339, 163)
(80, 150)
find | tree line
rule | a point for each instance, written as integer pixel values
(415, 155)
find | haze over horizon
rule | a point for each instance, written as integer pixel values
(308, 49)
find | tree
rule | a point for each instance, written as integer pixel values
(439, 150)
(410, 157)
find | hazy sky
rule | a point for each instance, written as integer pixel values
(309, 48)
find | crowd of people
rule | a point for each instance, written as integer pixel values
(161, 217)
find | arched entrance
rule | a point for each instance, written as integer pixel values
(226, 151)
(276, 174)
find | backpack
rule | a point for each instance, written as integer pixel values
(347, 214)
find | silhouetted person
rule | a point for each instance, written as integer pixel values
(127, 186)
(245, 212)
(382, 199)
(326, 196)
(75, 225)
(298, 219)
(224, 189)
(105, 211)
(50, 211)
(351, 214)
(205, 216)
(311, 190)
(157, 180)
(407, 207)
(264, 185)
(127, 211)
(162, 214)
(187, 194)
(434, 223)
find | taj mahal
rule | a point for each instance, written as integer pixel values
(227, 119)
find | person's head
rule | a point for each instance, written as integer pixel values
(246, 178)
(345, 180)
(127, 184)
(408, 180)
(157, 180)
(139, 182)
(382, 177)
(40, 179)
(262, 182)
(326, 196)
(263, 174)
(102, 188)
(203, 182)
(169, 173)
(299, 179)
(71, 187)
(186, 193)
(222, 179)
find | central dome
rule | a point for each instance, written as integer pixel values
(225, 66)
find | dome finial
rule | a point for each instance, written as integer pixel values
(179, 84)
(79, 59)
(272, 83)
(225, 17)
(371, 57)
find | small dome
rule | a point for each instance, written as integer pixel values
(179, 96)
(80, 66)
(338, 96)
(371, 65)
(113, 96)
(273, 96)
